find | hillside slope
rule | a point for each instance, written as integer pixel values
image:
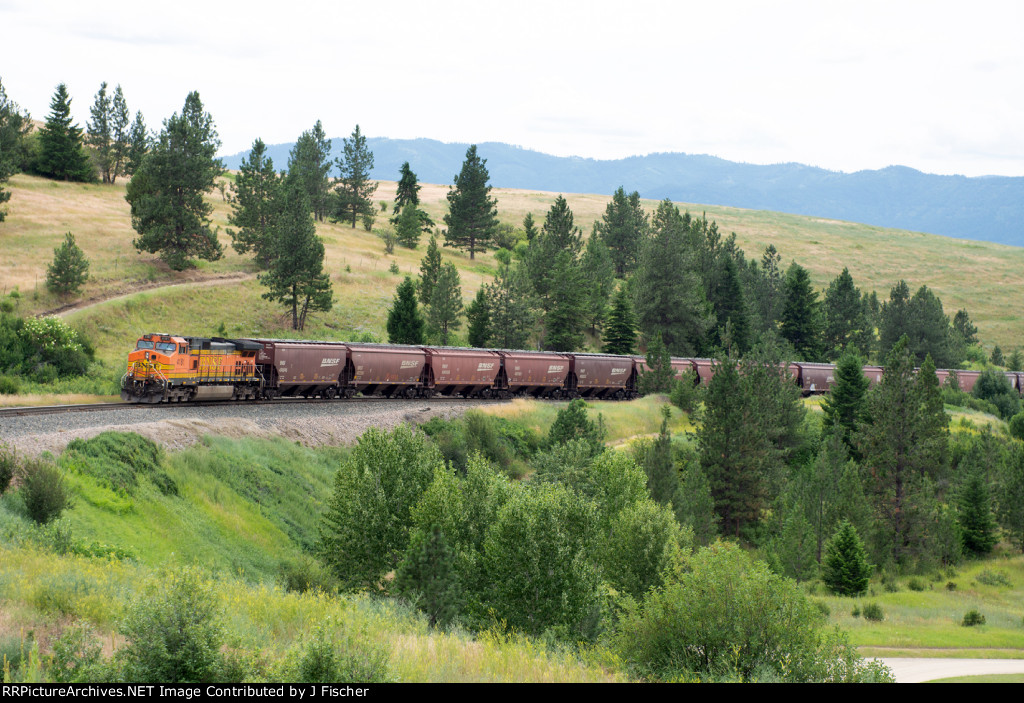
(985, 278)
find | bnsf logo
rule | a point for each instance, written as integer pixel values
(483, 366)
(556, 368)
(410, 364)
(330, 362)
(618, 372)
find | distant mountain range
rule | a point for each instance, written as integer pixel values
(989, 208)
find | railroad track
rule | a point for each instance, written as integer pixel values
(95, 407)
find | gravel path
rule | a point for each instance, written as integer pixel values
(908, 670)
(178, 426)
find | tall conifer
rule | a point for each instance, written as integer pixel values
(472, 213)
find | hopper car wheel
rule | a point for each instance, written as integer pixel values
(485, 393)
(620, 394)
(350, 392)
(410, 392)
(330, 392)
(428, 392)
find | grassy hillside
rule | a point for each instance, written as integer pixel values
(984, 278)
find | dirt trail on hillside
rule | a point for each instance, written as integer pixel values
(130, 290)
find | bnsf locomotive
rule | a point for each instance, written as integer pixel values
(166, 368)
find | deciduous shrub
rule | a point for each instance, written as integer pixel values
(972, 618)
(174, 631)
(43, 489)
(8, 466)
(874, 612)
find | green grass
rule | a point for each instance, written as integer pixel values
(985, 678)
(931, 619)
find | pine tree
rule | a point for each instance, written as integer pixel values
(139, 144)
(599, 279)
(14, 127)
(166, 193)
(255, 202)
(620, 332)
(409, 226)
(445, 304)
(108, 132)
(844, 405)
(69, 270)
(801, 321)
(894, 317)
(623, 227)
(512, 317)
(977, 523)
(731, 310)
(659, 374)
(472, 213)
(1015, 362)
(355, 189)
(310, 161)
(529, 227)
(61, 152)
(478, 317)
(668, 296)
(997, 357)
(656, 460)
(296, 277)
(430, 269)
(553, 266)
(405, 324)
(846, 570)
(846, 320)
(408, 191)
(928, 330)
(795, 546)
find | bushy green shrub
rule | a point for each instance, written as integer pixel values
(572, 422)
(723, 615)
(8, 467)
(973, 618)
(330, 656)
(117, 459)
(174, 631)
(9, 385)
(77, 656)
(686, 393)
(43, 490)
(994, 578)
(1017, 425)
(993, 386)
(874, 612)
(305, 574)
(916, 584)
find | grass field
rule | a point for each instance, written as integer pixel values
(975, 275)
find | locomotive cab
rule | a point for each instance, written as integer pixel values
(156, 359)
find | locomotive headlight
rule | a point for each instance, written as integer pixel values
(147, 356)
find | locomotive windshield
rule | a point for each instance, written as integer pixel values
(143, 344)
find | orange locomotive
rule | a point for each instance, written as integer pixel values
(174, 369)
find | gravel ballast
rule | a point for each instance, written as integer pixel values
(179, 426)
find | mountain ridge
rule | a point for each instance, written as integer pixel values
(985, 208)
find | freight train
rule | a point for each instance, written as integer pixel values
(168, 368)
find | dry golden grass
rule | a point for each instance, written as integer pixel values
(979, 276)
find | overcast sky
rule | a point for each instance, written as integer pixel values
(938, 86)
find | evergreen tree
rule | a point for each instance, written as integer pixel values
(355, 189)
(730, 311)
(408, 191)
(928, 329)
(735, 451)
(623, 227)
(61, 152)
(512, 317)
(620, 332)
(14, 127)
(405, 324)
(108, 132)
(1010, 495)
(903, 451)
(572, 423)
(445, 304)
(769, 294)
(997, 357)
(655, 459)
(428, 577)
(894, 317)
(472, 213)
(599, 279)
(977, 523)
(430, 269)
(667, 291)
(1015, 362)
(844, 405)
(846, 321)
(794, 548)
(166, 193)
(478, 317)
(696, 507)
(659, 374)
(69, 270)
(529, 228)
(553, 267)
(409, 226)
(139, 144)
(309, 161)
(801, 321)
(296, 277)
(963, 334)
(846, 570)
(255, 202)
